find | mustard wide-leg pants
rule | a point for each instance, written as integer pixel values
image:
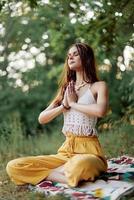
(82, 157)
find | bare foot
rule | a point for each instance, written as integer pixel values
(57, 175)
(59, 169)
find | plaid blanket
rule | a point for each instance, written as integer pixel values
(117, 182)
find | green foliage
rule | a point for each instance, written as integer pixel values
(13, 141)
(118, 141)
(108, 32)
(122, 96)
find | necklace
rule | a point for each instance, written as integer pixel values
(80, 86)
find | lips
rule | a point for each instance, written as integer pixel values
(72, 62)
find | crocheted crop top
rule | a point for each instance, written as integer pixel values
(78, 123)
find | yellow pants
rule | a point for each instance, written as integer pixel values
(81, 156)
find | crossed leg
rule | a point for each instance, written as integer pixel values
(83, 167)
(35, 169)
(32, 169)
(79, 167)
(57, 175)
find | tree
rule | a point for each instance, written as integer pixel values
(38, 38)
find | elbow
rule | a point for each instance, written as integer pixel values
(102, 113)
(42, 119)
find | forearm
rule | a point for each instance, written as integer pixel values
(47, 115)
(97, 110)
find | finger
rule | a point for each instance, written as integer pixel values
(72, 82)
(72, 87)
(69, 88)
(67, 92)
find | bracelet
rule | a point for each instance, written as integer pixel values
(67, 108)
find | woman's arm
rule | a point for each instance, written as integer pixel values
(50, 113)
(99, 109)
(53, 111)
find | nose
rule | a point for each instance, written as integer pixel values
(71, 57)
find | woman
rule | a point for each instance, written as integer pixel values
(82, 98)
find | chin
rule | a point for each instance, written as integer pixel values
(75, 68)
(72, 67)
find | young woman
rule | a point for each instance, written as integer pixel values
(82, 98)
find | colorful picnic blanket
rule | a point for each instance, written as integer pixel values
(117, 182)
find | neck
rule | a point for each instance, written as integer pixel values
(79, 77)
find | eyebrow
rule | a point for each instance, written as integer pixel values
(73, 53)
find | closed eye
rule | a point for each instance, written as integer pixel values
(74, 54)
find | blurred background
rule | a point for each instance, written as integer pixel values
(34, 38)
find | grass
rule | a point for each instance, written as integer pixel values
(116, 142)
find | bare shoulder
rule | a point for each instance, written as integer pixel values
(100, 85)
(100, 89)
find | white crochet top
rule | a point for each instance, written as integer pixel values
(79, 123)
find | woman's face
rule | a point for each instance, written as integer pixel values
(73, 59)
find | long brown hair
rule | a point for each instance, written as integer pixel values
(89, 70)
